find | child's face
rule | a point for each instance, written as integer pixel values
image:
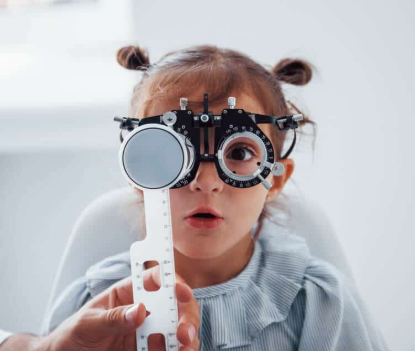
(239, 208)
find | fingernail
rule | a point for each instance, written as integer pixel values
(130, 314)
(191, 332)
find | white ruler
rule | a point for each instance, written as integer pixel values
(157, 246)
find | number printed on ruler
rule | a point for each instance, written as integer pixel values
(157, 246)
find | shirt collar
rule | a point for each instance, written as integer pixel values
(238, 310)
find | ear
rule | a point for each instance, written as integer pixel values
(278, 182)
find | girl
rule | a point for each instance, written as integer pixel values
(257, 287)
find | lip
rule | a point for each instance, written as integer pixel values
(204, 223)
(205, 209)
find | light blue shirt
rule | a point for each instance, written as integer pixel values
(284, 299)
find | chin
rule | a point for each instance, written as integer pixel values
(199, 252)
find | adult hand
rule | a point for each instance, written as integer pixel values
(189, 318)
(108, 322)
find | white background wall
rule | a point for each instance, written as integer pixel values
(60, 86)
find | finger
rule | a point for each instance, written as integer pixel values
(189, 322)
(96, 324)
(151, 278)
(156, 342)
(189, 315)
(120, 293)
(188, 310)
(184, 292)
(130, 342)
(118, 321)
(124, 290)
(186, 333)
(184, 348)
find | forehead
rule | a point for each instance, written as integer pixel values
(195, 103)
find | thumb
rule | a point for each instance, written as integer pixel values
(121, 320)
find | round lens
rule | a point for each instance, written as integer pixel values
(242, 156)
(153, 158)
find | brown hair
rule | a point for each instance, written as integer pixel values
(219, 71)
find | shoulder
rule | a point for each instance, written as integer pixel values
(326, 291)
(322, 276)
(295, 280)
(334, 316)
(287, 257)
(315, 298)
(330, 290)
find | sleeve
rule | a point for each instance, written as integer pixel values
(69, 302)
(97, 278)
(4, 335)
(335, 317)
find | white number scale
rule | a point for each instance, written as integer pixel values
(157, 246)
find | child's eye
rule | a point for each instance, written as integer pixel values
(239, 153)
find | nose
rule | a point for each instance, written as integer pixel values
(207, 179)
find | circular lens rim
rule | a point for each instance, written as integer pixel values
(139, 129)
(230, 138)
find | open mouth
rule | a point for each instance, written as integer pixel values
(203, 215)
(203, 220)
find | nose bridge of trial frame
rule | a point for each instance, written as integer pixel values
(206, 120)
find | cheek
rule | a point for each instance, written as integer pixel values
(249, 202)
(178, 200)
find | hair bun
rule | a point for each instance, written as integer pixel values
(133, 57)
(293, 71)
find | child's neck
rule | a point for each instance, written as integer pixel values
(199, 273)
